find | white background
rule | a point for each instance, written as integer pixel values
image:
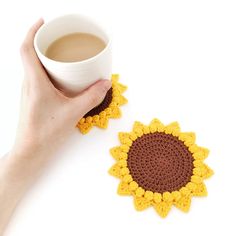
(178, 59)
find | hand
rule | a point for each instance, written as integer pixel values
(48, 116)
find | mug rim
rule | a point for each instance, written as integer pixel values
(75, 62)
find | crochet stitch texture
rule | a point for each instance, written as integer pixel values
(109, 108)
(160, 166)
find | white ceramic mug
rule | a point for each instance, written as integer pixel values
(73, 77)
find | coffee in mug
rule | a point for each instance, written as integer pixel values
(75, 47)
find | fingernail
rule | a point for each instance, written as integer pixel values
(107, 84)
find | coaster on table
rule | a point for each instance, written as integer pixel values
(109, 108)
(160, 166)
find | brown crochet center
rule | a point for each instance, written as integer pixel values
(160, 162)
(102, 106)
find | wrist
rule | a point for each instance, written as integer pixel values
(15, 170)
(32, 147)
(21, 166)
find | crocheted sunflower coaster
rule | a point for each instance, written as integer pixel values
(109, 108)
(160, 166)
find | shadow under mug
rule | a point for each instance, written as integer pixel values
(73, 77)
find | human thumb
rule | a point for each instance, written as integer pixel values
(91, 97)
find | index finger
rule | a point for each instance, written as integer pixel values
(30, 60)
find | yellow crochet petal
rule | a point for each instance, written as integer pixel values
(146, 129)
(193, 148)
(138, 128)
(127, 178)
(133, 136)
(183, 203)
(141, 203)
(125, 138)
(207, 172)
(196, 179)
(123, 189)
(123, 135)
(138, 124)
(85, 127)
(200, 190)
(203, 170)
(108, 111)
(198, 163)
(167, 197)
(133, 186)
(162, 208)
(156, 125)
(176, 195)
(173, 128)
(122, 88)
(124, 171)
(124, 148)
(118, 153)
(115, 170)
(122, 100)
(115, 78)
(139, 192)
(116, 91)
(185, 191)
(96, 119)
(116, 112)
(201, 153)
(188, 138)
(102, 123)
